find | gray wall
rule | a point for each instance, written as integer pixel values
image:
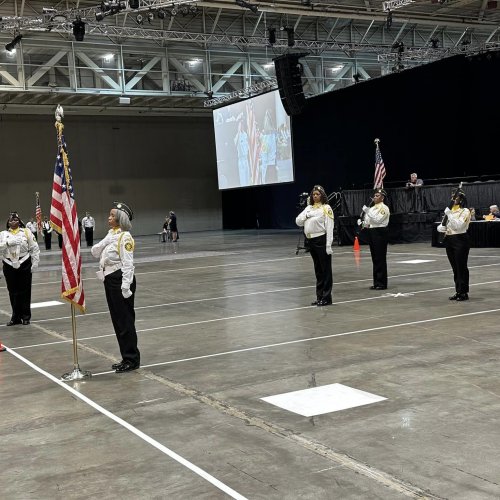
(152, 164)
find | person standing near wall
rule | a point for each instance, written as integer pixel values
(376, 219)
(88, 224)
(20, 254)
(47, 233)
(173, 226)
(317, 221)
(116, 262)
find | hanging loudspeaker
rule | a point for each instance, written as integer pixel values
(289, 76)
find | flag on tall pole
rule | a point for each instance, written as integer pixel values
(64, 219)
(378, 181)
(38, 214)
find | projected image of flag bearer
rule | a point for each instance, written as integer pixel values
(242, 148)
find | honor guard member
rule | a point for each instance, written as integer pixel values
(20, 254)
(31, 225)
(88, 224)
(376, 219)
(455, 225)
(116, 262)
(47, 233)
(317, 221)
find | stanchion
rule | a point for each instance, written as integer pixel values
(76, 374)
(356, 247)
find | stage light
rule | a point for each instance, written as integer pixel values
(174, 11)
(78, 29)
(193, 9)
(133, 4)
(356, 77)
(11, 45)
(399, 46)
(271, 36)
(150, 17)
(434, 43)
(161, 14)
(139, 19)
(184, 11)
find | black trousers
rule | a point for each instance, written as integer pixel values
(123, 316)
(378, 238)
(47, 237)
(457, 250)
(322, 267)
(89, 236)
(19, 286)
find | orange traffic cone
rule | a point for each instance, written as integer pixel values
(2, 347)
(356, 244)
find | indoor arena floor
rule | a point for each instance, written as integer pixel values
(399, 389)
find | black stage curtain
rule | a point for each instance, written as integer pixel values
(482, 234)
(403, 228)
(434, 129)
(480, 195)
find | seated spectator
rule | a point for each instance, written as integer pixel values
(414, 181)
(494, 213)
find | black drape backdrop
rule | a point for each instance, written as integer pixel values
(439, 120)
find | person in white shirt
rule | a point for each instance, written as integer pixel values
(455, 225)
(317, 221)
(88, 224)
(47, 233)
(116, 262)
(20, 254)
(376, 219)
(31, 225)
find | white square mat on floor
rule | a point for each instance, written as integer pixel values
(324, 399)
(50, 303)
(414, 261)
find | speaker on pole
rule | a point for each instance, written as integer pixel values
(289, 76)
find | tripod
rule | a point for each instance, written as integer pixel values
(305, 246)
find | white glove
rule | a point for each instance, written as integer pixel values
(329, 250)
(13, 240)
(308, 212)
(126, 292)
(441, 228)
(34, 267)
(360, 222)
(447, 210)
(365, 208)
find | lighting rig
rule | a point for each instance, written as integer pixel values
(237, 95)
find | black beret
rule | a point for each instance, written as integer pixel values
(124, 208)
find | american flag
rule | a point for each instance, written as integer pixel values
(253, 143)
(38, 213)
(378, 181)
(64, 219)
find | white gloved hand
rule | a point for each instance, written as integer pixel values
(309, 210)
(447, 210)
(365, 208)
(34, 267)
(126, 292)
(329, 250)
(441, 228)
(360, 222)
(13, 240)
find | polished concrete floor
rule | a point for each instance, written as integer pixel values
(224, 320)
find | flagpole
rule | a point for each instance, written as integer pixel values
(63, 216)
(76, 373)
